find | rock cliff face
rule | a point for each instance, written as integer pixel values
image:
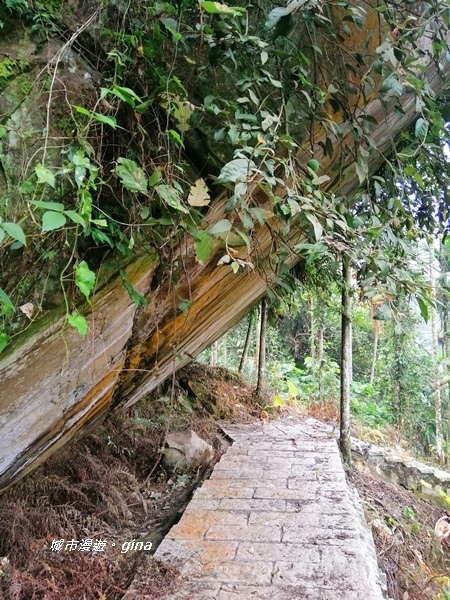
(53, 384)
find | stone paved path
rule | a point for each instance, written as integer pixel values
(275, 520)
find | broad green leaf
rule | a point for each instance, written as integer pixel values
(423, 306)
(171, 196)
(106, 120)
(134, 294)
(176, 137)
(79, 175)
(124, 93)
(319, 180)
(235, 240)
(421, 129)
(132, 176)
(44, 175)
(84, 279)
(184, 305)
(2, 235)
(171, 25)
(221, 226)
(52, 220)
(100, 222)
(4, 339)
(318, 229)
(75, 217)
(27, 187)
(384, 313)
(392, 83)
(292, 389)
(216, 8)
(383, 266)
(155, 178)
(361, 171)
(278, 13)
(142, 108)
(204, 245)
(5, 299)
(262, 214)
(82, 110)
(245, 238)
(278, 401)
(80, 159)
(253, 97)
(78, 322)
(15, 231)
(48, 205)
(199, 195)
(236, 170)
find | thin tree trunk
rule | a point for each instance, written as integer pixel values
(444, 267)
(246, 343)
(257, 340)
(262, 348)
(313, 338)
(214, 353)
(397, 377)
(346, 351)
(375, 352)
(435, 355)
(320, 359)
(350, 343)
(224, 351)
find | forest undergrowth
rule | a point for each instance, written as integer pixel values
(111, 487)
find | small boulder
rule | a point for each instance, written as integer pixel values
(185, 449)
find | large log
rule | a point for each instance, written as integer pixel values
(55, 386)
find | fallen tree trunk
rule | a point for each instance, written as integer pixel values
(55, 386)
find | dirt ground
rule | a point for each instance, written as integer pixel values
(416, 565)
(113, 489)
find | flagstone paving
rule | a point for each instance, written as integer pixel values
(277, 519)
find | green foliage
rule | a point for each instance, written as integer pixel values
(204, 245)
(257, 81)
(84, 279)
(14, 230)
(367, 408)
(78, 322)
(131, 175)
(134, 295)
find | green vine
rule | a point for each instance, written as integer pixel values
(268, 102)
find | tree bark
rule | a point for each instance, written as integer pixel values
(435, 357)
(248, 337)
(224, 351)
(320, 358)
(346, 352)
(260, 379)
(214, 353)
(397, 380)
(374, 355)
(313, 334)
